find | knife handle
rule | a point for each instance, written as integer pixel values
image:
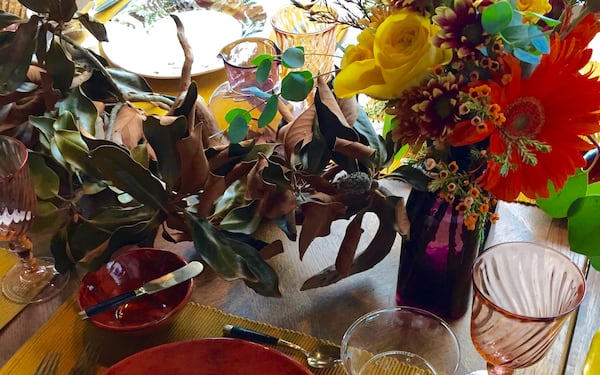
(109, 303)
(250, 335)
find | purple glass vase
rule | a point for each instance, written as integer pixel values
(436, 260)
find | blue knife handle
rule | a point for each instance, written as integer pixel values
(109, 303)
(250, 335)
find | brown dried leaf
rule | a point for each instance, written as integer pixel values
(194, 164)
(402, 220)
(257, 187)
(277, 204)
(129, 123)
(298, 131)
(349, 107)
(215, 187)
(272, 249)
(355, 150)
(210, 127)
(328, 99)
(317, 221)
(345, 257)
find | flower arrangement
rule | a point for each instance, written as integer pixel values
(493, 97)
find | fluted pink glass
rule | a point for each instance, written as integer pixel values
(523, 293)
(32, 279)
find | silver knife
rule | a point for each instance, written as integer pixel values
(166, 281)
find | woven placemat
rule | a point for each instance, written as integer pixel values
(66, 334)
(8, 309)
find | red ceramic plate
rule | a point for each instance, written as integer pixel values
(213, 356)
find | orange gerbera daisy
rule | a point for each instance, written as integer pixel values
(556, 106)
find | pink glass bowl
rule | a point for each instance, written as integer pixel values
(128, 271)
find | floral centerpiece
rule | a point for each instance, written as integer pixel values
(495, 101)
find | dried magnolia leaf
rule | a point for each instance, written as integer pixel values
(208, 122)
(272, 249)
(215, 187)
(349, 107)
(402, 221)
(329, 100)
(278, 204)
(257, 187)
(317, 221)
(129, 123)
(298, 131)
(345, 257)
(355, 150)
(193, 162)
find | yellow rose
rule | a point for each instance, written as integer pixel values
(535, 6)
(402, 57)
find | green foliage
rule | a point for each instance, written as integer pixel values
(296, 86)
(557, 205)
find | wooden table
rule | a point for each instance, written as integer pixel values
(326, 312)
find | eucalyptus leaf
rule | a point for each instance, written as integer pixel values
(263, 70)
(296, 86)
(293, 57)
(255, 91)
(233, 113)
(527, 57)
(269, 112)
(496, 17)
(238, 129)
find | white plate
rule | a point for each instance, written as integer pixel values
(149, 47)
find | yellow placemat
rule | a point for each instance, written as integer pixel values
(67, 334)
(8, 309)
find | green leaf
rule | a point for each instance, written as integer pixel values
(238, 129)
(232, 114)
(82, 107)
(364, 126)
(60, 67)
(65, 121)
(114, 217)
(96, 28)
(593, 189)
(293, 57)
(266, 282)
(414, 176)
(263, 71)
(595, 262)
(547, 20)
(38, 6)
(163, 139)
(73, 149)
(256, 61)
(45, 180)
(557, 205)
(527, 57)
(269, 112)
(117, 166)
(541, 43)
(243, 219)
(296, 86)
(45, 125)
(252, 90)
(496, 17)
(17, 51)
(583, 225)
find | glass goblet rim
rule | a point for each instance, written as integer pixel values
(279, 29)
(486, 297)
(4, 139)
(412, 310)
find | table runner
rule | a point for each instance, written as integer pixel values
(67, 334)
(8, 309)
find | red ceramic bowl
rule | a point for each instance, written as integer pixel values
(128, 271)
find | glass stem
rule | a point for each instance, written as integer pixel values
(498, 370)
(22, 248)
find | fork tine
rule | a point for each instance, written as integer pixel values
(48, 364)
(86, 363)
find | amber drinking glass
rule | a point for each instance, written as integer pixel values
(32, 279)
(293, 28)
(523, 293)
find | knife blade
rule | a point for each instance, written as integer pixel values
(166, 281)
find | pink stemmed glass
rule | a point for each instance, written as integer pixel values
(32, 279)
(523, 293)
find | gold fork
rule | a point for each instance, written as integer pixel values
(49, 364)
(87, 361)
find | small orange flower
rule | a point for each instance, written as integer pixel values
(484, 208)
(453, 167)
(470, 221)
(494, 218)
(474, 192)
(461, 207)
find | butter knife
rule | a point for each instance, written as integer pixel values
(166, 281)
